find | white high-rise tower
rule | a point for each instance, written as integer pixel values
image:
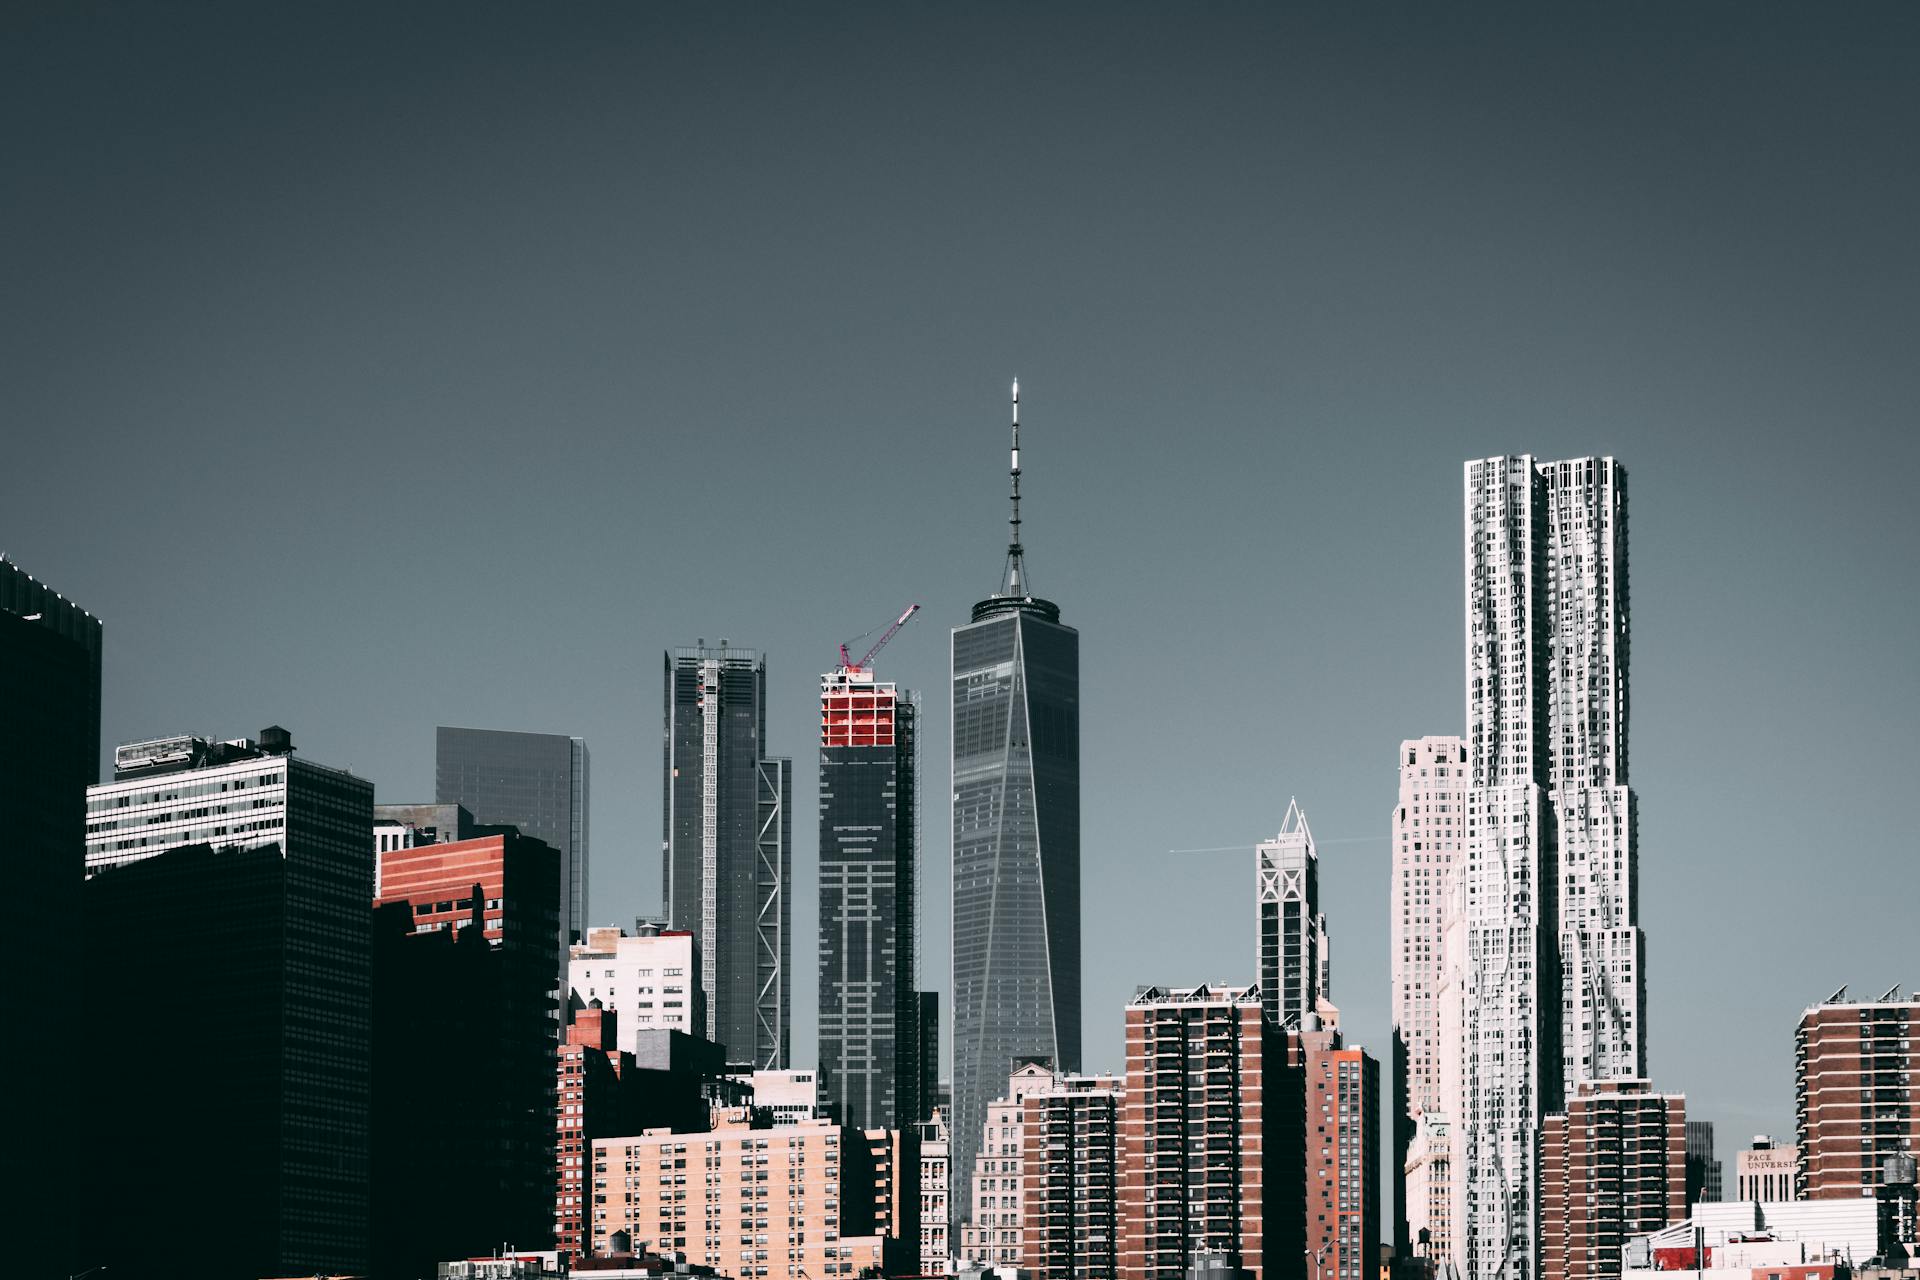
(1553, 977)
(1429, 830)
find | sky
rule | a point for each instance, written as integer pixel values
(368, 368)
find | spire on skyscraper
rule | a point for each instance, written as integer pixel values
(1010, 582)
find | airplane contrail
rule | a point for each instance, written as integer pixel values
(1248, 847)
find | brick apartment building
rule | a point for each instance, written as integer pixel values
(1854, 1097)
(1210, 1135)
(1613, 1166)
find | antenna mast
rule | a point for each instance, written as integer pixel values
(1016, 558)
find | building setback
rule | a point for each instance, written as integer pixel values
(538, 782)
(1613, 1165)
(1294, 963)
(1211, 1141)
(651, 976)
(1553, 984)
(465, 935)
(726, 846)
(1853, 1094)
(1429, 828)
(870, 1061)
(260, 994)
(991, 1232)
(49, 753)
(794, 1202)
(1016, 842)
(1070, 1179)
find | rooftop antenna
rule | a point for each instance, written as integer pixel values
(1016, 554)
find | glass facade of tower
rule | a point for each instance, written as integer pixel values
(1016, 855)
(726, 845)
(870, 1068)
(534, 781)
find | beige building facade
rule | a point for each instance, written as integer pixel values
(796, 1201)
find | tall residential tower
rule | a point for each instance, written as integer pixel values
(1554, 981)
(726, 845)
(1429, 828)
(1016, 843)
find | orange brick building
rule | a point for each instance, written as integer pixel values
(1210, 1135)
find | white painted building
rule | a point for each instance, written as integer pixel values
(792, 1096)
(1750, 1240)
(652, 976)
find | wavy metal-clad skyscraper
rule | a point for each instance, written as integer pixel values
(1016, 844)
(1554, 973)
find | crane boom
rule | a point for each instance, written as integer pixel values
(847, 661)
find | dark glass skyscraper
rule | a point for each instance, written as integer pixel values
(1016, 844)
(870, 1069)
(534, 781)
(726, 846)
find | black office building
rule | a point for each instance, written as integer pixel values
(537, 782)
(240, 971)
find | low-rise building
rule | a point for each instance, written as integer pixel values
(1729, 1240)
(747, 1199)
(1766, 1170)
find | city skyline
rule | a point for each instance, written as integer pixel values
(1280, 505)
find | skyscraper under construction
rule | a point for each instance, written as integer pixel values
(870, 1064)
(1016, 842)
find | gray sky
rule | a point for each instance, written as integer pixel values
(368, 368)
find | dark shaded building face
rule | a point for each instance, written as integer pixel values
(49, 752)
(870, 1070)
(534, 781)
(1016, 856)
(726, 865)
(250, 966)
(463, 1050)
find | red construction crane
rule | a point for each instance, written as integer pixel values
(846, 659)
